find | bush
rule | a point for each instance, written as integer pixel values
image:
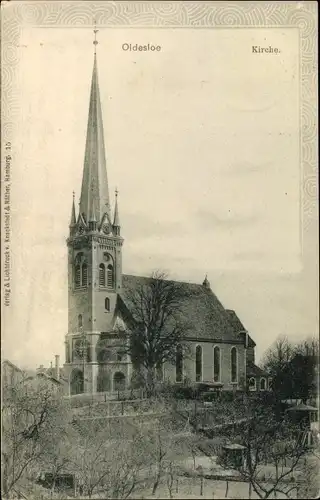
(227, 396)
(79, 400)
(177, 391)
(183, 392)
(210, 396)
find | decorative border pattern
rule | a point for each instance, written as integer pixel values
(301, 15)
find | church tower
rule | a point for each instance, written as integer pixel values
(94, 256)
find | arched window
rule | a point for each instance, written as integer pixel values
(234, 365)
(84, 275)
(252, 384)
(104, 351)
(107, 304)
(102, 275)
(77, 273)
(263, 384)
(80, 321)
(79, 348)
(216, 364)
(198, 363)
(110, 276)
(179, 364)
(270, 384)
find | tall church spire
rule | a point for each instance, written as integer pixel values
(95, 180)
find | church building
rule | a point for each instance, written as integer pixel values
(222, 352)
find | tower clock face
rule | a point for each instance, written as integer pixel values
(106, 228)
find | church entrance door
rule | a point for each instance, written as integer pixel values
(119, 381)
(76, 381)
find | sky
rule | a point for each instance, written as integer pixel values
(202, 141)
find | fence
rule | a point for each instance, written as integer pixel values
(77, 400)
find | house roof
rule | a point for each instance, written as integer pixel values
(12, 365)
(48, 377)
(200, 307)
(255, 371)
(234, 446)
(302, 407)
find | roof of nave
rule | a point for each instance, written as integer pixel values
(238, 326)
(201, 310)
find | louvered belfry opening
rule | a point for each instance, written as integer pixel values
(102, 275)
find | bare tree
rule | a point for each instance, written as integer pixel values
(157, 326)
(308, 347)
(278, 355)
(107, 461)
(57, 457)
(32, 415)
(273, 453)
(293, 368)
(162, 442)
(310, 469)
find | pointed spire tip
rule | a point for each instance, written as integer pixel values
(73, 211)
(116, 221)
(95, 41)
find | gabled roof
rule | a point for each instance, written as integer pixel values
(234, 446)
(255, 371)
(302, 407)
(12, 365)
(48, 377)
(201, 309)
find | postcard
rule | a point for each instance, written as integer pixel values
(159, 249)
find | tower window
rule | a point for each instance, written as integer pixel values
(80, 321)
(107, 304)
(102, 275)
(234, 365)
(84, 275)
(198, 363)
(110, 276)
(77, 276)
